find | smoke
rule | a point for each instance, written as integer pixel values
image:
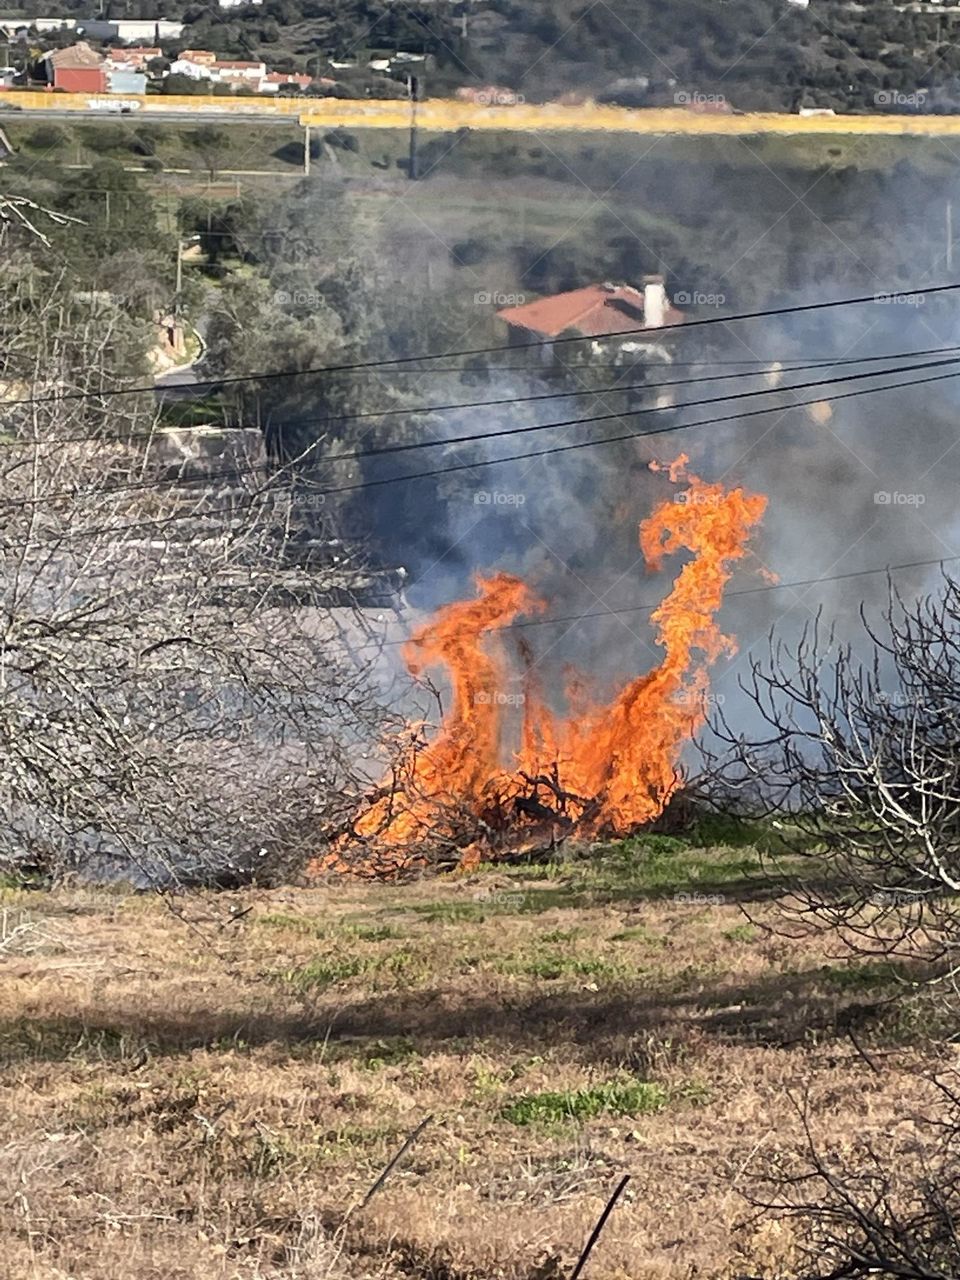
(857, 485)
(862, 484)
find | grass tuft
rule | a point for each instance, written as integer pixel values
(614, 1098)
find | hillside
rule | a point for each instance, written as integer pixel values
(204, 1088)
(752, 54)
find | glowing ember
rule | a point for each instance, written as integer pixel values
(601, 769)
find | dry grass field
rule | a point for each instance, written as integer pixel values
(210, 1089)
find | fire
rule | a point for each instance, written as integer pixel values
(504, 767)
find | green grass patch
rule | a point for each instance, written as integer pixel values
(324, 972)
(293, 924)
(551, 964)
(371, 932)
(742, 933)
(561, 935)
(713, 829)
(63, 1039)
(640, 933)
(507, 903)
(861, 977)
(661, 866)
(614, 1098)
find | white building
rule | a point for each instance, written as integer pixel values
(10, 26)
(130, 31)
(195, 70)
(248, 72)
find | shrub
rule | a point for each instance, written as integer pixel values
(46, 137)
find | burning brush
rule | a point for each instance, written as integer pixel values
(601, 770)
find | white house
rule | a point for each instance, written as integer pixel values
(247, 72)
(195, 70)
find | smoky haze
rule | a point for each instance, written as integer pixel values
(741, 225)
(863, 484)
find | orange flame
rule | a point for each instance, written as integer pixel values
(602, 768)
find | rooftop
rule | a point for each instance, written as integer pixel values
(75, 55)
(598, 310)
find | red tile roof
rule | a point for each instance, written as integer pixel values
(74, 57)
(129, 53)
(596, 311)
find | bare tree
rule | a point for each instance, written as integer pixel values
(859, 756)
(179, 692)
(21, 212)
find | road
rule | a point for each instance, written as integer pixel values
(445, 116)
(179, 116)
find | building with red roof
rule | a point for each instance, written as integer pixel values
(596, 311)
(76, 69)
(133, 55)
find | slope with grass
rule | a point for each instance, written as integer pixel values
(208, 1087)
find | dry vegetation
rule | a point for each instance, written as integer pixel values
(208, 1088)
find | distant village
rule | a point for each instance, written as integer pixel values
(110, 58)
(129, 69)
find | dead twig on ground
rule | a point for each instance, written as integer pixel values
(601, 1223)
(410, 1140)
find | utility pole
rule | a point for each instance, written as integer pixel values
(414, 165)
(949, 235)
(306, 149)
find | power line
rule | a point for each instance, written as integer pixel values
(235, 473)
(606, 417)
(768, 313)
(157, 522)
(727, 595)
(635, 435)
(824, 362)
(585, 391)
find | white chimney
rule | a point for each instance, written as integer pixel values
(654, 302)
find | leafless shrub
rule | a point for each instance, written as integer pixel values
(885, 1213)
(859, 758)
(178, 691)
